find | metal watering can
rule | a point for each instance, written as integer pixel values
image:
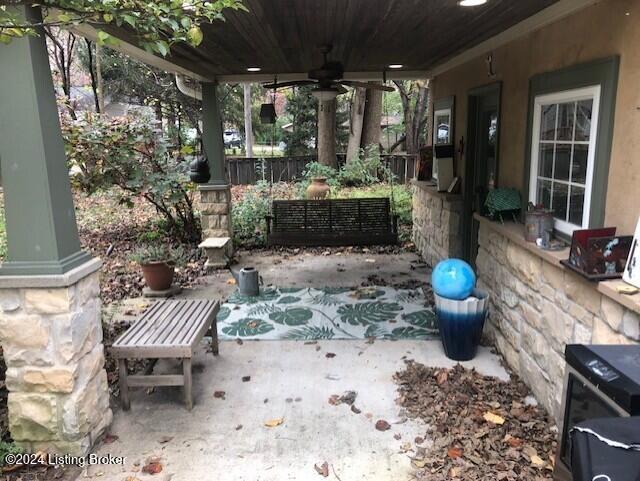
(248, 281)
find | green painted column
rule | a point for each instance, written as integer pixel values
(42, 235)
(212, 139)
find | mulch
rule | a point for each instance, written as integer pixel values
(482, 428)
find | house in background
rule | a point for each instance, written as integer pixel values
(550, 107)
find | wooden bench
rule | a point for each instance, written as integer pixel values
(332, 222)
(167, 329)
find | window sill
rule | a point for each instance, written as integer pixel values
(515, 233)
(431, 189)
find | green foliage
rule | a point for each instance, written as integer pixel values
(366, 169)
(302, 109)
(129, 153)
(3, 235)
(151, 253)
(158, 23)
(7, 448)
(249, 216)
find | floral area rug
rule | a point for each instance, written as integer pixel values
(328, 313)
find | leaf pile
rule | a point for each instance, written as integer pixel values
(482, 428)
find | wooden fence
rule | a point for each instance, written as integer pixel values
(244, 171)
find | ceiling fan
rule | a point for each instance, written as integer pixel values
(328, 79)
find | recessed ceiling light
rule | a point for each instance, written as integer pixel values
(254, 69)
(396, 65)
(471, 3)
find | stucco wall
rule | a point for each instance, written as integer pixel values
(599, 31)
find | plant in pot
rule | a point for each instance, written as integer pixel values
(158, 264)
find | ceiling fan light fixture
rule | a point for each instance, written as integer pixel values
(253, 69)
(396, 65)
(471, 3)
(324, 94)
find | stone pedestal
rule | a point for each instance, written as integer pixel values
(52, 341)
(217, 231)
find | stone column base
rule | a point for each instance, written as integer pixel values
(52, 340)
(217, 230)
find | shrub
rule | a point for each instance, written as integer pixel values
(131, 154)
(248, 216)
(148, 254)
(7, 448)
(366, 169)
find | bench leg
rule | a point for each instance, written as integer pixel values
(214, 337)
(124, 386)
(186, 372)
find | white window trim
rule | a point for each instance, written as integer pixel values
(446, 111)
(586, 93)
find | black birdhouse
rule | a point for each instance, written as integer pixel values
(268, 114)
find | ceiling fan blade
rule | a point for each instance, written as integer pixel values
(367, 85)
(293, 83)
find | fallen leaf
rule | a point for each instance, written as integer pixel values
(152, 468)
(231, 282)
(513, 441)
(454, 452)
(238, 427)
(382, 425)
(442, 377)
(272, 423)
(219, 394)
(538, 461)
(165, 439)
(330, 355)
(397, 436)
(334, 399)
(246, 378)
(493, 418)
(355, 410)
(323, 469)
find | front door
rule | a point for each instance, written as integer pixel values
(481, 166)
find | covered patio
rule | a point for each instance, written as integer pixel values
(279, 423)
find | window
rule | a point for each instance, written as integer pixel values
(563, 151)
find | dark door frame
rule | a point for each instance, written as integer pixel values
(469, 224)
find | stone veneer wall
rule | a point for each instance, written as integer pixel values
(538, 307)
(215, 207)
(52, 342)
(437, 223)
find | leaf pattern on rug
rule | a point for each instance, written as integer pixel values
(223, 313)
(367, 312)
(247, 327)
(295, 316)
(329, 313)
(267, 295)
(425, 319)
(310, 333)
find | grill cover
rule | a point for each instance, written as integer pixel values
(606, 449)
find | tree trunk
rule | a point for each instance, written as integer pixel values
(356, 122)
(372, 118)
(99, 79)
(248, 127)
(93, 75)
(327, 133)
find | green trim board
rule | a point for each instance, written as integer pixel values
(297, 313)
(602, 72)
(42, 235)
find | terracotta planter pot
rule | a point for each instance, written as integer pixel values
(158, 275)
(318, 188)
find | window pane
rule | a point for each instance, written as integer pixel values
(576, 208)
(563, 161)
(566, 117)
(548, 122)
(545, 165)
(579, 168)
(559, 204)
(583, 120)
(544, 193)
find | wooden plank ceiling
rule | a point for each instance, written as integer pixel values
(283, 36)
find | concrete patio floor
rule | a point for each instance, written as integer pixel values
(226, 439)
